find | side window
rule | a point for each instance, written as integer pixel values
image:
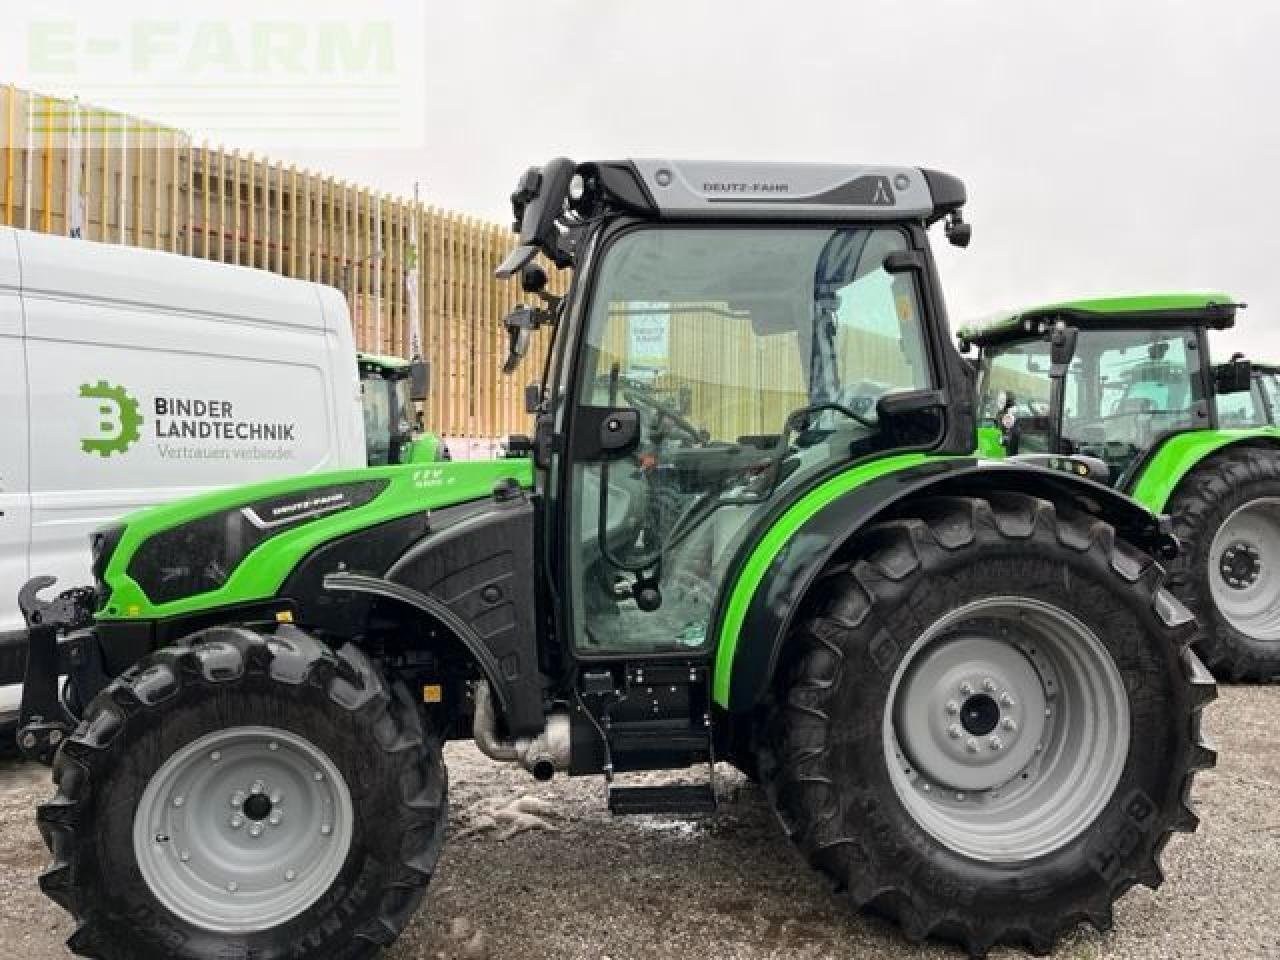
(1243, 409)
(1023, 373)
(879, 340)
(1147, 378)
(1271, 387)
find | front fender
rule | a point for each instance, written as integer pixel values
(1166, 466)
(771, 575)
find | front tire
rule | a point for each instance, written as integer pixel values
(249, 795)
(1227, 515)
(1033, 794)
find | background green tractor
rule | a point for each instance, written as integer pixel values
(1125, 387)
(751, 528)
(390, 391)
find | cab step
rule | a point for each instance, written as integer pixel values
(675, 798)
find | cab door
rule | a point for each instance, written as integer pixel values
(721, 369)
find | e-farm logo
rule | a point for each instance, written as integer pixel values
(315, 73)
(118, 419)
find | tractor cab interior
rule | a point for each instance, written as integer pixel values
(755, 358)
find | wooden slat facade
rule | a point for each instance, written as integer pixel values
(156, 188)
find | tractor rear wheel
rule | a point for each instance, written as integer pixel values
(245, 794)
(986, 725)
(1227, 515)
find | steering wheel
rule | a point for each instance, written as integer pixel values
(665, 412)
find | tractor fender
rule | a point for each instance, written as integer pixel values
(474, 573)
(1154, 478)
(771, 575)
(437, 610)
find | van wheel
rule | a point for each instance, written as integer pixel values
(1227, 515)
(986, 726)
(245, 795)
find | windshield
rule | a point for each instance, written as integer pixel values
(756, 358)
(1133, 387)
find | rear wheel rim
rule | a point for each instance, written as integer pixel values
(244, 829)
(1244, 569)
(1006, 729)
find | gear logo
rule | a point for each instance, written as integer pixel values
(120, 419)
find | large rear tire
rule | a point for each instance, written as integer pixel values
(1227, 515)
(986, 724)
(245, 795)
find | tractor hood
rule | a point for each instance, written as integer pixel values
(190, 555)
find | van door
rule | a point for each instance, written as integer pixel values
(155, 377)
(15, 499)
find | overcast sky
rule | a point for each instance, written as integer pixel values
(1107, 146)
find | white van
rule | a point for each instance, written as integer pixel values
(130, 377)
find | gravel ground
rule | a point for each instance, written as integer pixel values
(730, 887)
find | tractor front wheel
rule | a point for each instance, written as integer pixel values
(986, 724)
(248, 795)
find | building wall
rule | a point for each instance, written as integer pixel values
(154, 187)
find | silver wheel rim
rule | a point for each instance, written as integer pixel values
(1244, 569)
(1006, 729)
(243, 829)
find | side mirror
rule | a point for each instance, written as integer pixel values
(419, 380)
(1234, 376)
(912, 417)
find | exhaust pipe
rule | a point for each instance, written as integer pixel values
(542, 755)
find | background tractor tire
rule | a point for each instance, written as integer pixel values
(1227, 515)
(288, 804)
(917, 797)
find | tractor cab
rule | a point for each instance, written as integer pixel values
(1108, 380)
(735, 332)
(390, 391)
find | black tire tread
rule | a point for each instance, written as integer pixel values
(796, 780)
(217, 656)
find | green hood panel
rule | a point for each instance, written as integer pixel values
(1179, 455)
(409, 489)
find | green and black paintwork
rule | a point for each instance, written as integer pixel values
(1165, 474)
(454, 579)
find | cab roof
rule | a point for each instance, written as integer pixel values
(709, 189)
(1214, 310)
(382, 363)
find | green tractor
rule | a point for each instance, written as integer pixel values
(390, 391)
(749, 527)
(1123, 387)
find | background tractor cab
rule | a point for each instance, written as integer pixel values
(1123, 389)
(1109, 380)
(391, 391)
